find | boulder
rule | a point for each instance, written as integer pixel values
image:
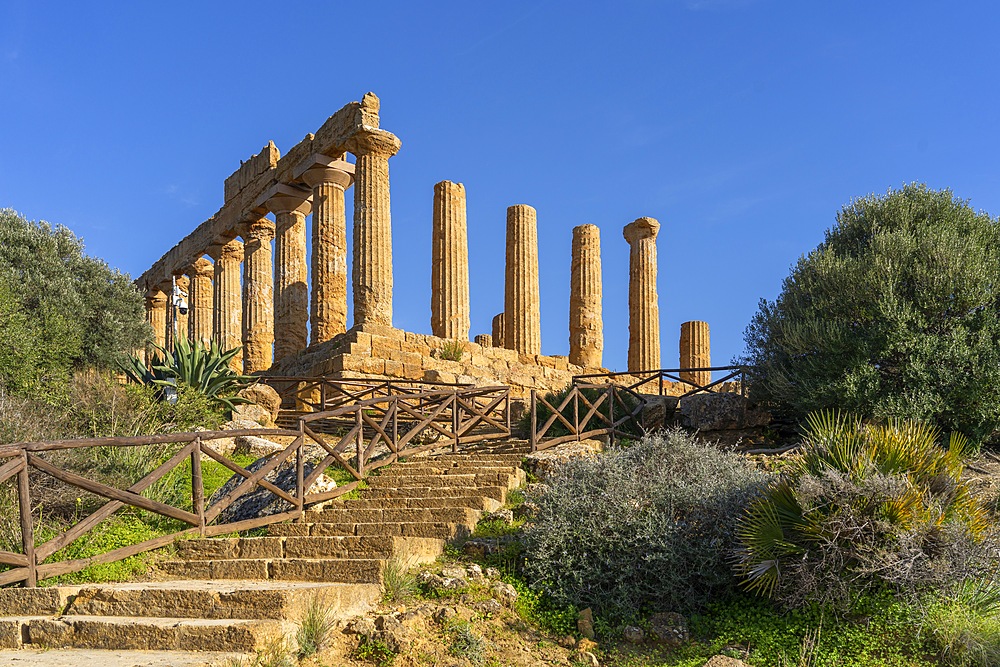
(541, 464)
(669, 628)
(257, 448)
(585, 623)
(721, 412)
(261, 502)
(632, 634)
(264, 396)
(257, 414)
(725, 661)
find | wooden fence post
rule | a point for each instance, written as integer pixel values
(533, 438)
(198, 487)
(27, 528)
(576, 412)
(300, 473)
(612, 396)
(454, 420)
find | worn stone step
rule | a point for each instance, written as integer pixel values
(402, 469)
(190, 599)
(335, 570)
(437, 530)
(406, 514)
(475, 502)
(509, 481)
(430, 493)
(149, 634)
(369, 546)
(77, 657)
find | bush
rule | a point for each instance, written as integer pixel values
(864, 506)
(893, 315)
(638, 529)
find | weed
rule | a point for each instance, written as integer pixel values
(498, 528)
(374, 651)
(314, 630)
(398, 584)
(465, 643)
(452, 350)
(276, 654)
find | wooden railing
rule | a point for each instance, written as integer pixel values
(652, 381)
(585, 411)
(370, 433)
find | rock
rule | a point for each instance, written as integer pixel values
(632, 634)
(586, 645)
(479, 547)
(725, 661)
(436, 582)
(585, 623)
(251, 445)
(260, 502)
(492, 573)
(541, 464)
(526, 510)
(489, 607)
(261, 416)
(360, 626)
(567, 642)
(669, 628)
(390, 631)
(240, 425)
(265, 396)
(504, 592)
(721, 411)
(504, 516)
(585, 658)
(453, 572)
(474, 571)
(445, 613)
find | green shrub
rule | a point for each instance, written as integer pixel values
(374, 651)
(452, 350)
(466, 643)
(315, 628)
(398, 583)
(648, 527)
(964, 624)
(864, 506)
(893, 315)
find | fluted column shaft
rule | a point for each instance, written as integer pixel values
(450, 263)
(328, 300)
(643, 301)
(200, 301)
(227, 316)
(522, 314)
(180, 325)
(499, 331)
(485, 340)
(291, 295)
(695, 352)
(372, 268)
(586, 328)
(258, 295)
(156, 315)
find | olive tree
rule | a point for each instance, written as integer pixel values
(894, 314)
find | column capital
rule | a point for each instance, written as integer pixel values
(229, 250)
(200, 267)
(283, 198)
(259, 229)
(373, 141)
(641, 228)
(156, 297)
(319, 169)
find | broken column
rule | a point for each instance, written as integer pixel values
(522, 316)
(156, 315)
(450, 263)
(291, 291)
(227, 311)
(643, 302)
(329, 178)
(258, 295)
(484, 340)
(695, 353)
(499, 332)
(200, 301)
(586, 328)
(372, 267)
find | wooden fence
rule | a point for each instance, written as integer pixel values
(652, 381)
(370, 433)
(585, 411)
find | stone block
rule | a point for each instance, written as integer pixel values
(10, 633)
(374, 366)
(393, 368)
(413, 371)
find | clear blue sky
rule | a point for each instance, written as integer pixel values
(743, 126)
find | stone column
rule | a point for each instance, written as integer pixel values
(258, 295)
(372, 268)
(227, 311)
(499, 331)
(643, 302)
(328, 178)
(450, 263)
(586, 328)
(200, 301)
(156, 314)
(291, 291)
(522, 316)
(484, 340)
(180, 328)
(695, 352)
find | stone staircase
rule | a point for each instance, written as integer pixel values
(227, 595)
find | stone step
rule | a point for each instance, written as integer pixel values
(498, 493)
(251, 548)
(145, 634)
(513, 458)
(76, 657)
(204, 599)
(334, 570)
(475, 502)
(406, 514)
(402, 469)
(509, 481)
(437, 530)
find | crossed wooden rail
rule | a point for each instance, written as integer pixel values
(370, 433)
(585, 411)
(656, 377)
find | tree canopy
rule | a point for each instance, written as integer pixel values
(59, 308)
(895, 314)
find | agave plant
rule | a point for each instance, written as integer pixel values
(204, 369)
(862, 504)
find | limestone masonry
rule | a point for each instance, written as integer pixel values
(247, 277)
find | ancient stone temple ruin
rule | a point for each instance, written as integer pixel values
(245, 277)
